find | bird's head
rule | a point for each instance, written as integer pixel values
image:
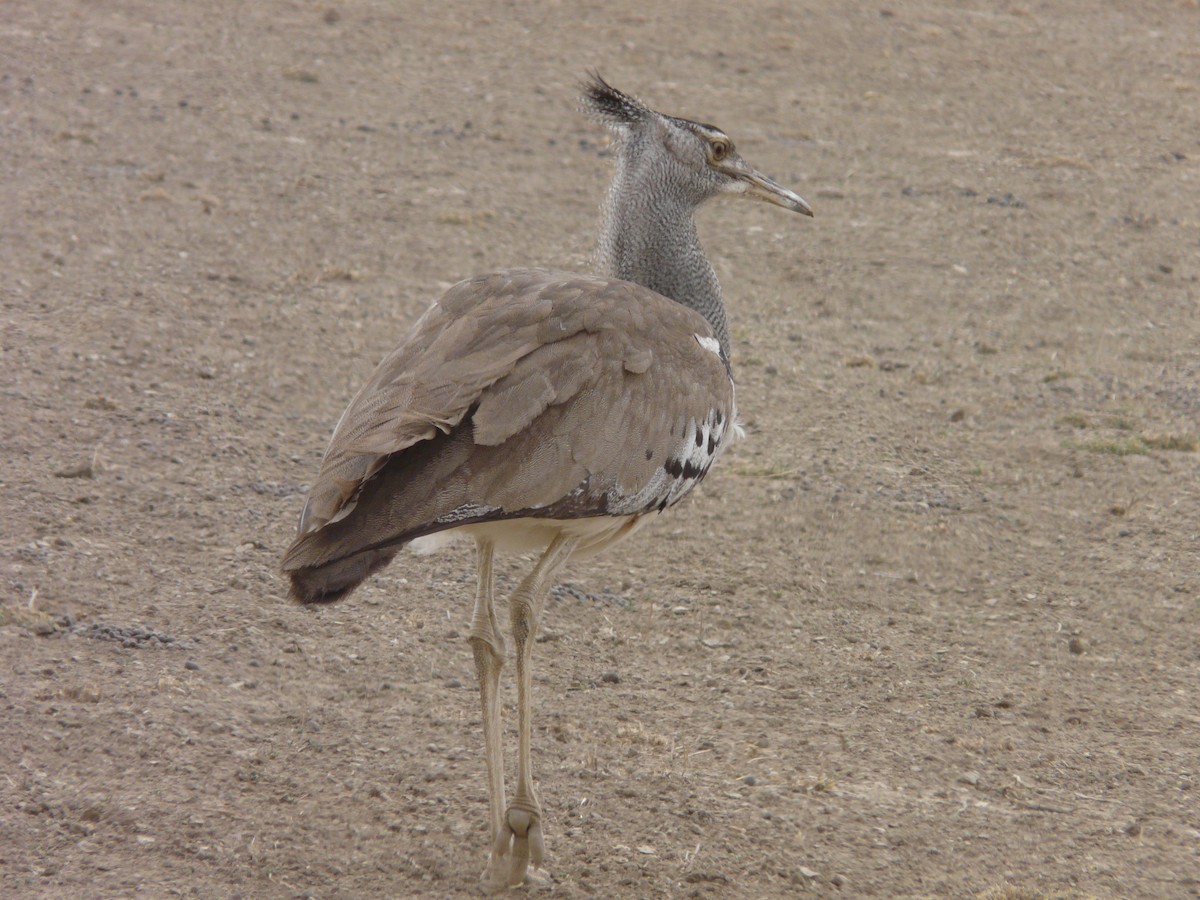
(698, 157)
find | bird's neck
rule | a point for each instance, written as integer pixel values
(648, 236)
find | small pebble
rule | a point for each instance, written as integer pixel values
(611, 678)
(191, 665)
(452, 683)
(1077, 646)
(750, 780)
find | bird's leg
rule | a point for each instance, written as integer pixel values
(488, 646)
(519, 841)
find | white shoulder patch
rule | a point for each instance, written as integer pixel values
(710, 344)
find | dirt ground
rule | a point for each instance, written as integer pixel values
(930, 631)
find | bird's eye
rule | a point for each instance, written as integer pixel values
(720, 150)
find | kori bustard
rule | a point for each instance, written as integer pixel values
(547, 411)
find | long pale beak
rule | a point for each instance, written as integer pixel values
(760, 187)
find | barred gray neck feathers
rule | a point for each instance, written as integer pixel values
(648, 234)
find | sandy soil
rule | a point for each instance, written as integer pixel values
(931, 631)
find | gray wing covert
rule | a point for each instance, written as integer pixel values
(526, 393)
(466, 341)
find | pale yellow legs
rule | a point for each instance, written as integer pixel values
(516, 830)
(488, 646)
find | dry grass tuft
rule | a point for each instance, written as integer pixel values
(1128, 445)
(25, 616)
(1011, 892)
(636, 733)
(1184, 442)
(1075, 420)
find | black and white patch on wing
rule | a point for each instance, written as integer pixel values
(468, 511)
(686, 463)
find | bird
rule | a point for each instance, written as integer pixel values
(543, 411)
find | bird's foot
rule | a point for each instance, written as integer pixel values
(518, 846)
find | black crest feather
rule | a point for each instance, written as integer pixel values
(605, 104)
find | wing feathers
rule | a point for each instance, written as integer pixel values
(524, 390)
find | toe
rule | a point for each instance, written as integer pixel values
(537, 846)
(496, 876)
(525, 827)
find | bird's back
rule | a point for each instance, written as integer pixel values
(525, 394)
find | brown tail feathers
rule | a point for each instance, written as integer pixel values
(332, 581)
